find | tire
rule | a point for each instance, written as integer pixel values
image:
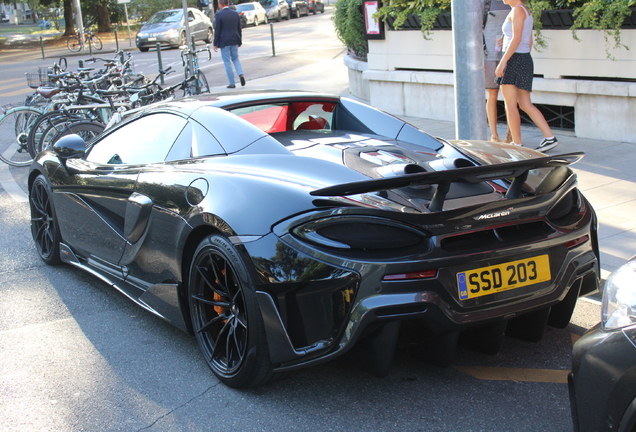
(44, 129)
(96, 42)
(73, 44)
(44, 228)
(278, 18)
(14, 132)
(226, 318)
(297, 13)
(210, 36)
(183, 40)
(86, 129)
(203, 86)
(322, 9)
(256, 23)
(142, 49)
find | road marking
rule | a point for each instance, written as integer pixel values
(516, 374)
(10, 186)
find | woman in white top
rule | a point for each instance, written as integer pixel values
(516, 70)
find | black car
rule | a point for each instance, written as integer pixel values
(603, 380)
(298, 8)
(285, 228)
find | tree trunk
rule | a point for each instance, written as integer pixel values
(103, 18)
(68, 18)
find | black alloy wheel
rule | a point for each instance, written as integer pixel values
(225, 315)
(44, 228)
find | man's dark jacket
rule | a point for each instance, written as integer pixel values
(227, 28)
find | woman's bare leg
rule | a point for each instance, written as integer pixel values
(523, 98)
(491, 111)
(510, 93)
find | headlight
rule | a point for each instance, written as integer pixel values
(619, 298)
(172, 33)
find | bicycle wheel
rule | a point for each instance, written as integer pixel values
(87, 129)
(14, 130)
(96, 42)
(40, 133)
(73, 43)
(189, 86)
(202, 83)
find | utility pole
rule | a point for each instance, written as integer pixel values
(468, 62)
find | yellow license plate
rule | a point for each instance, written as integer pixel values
(502, 277)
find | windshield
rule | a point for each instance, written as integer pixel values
(166, 17)
(244, 7)
(268, 3)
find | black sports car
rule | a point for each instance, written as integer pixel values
(283, 228)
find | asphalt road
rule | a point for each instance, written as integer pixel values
(76, 355)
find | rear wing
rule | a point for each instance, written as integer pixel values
(518, 171)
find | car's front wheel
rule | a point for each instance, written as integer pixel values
(256, 22)
(226, 318)
(44, 228)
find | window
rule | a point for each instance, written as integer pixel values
(195, 141)
(145, 140)
(272, 118)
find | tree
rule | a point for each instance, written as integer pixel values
(68, 18)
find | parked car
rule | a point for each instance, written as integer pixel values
(253, 12)
(243, 18)
(285, 228)
(168, 28)
(316, 6)
(603, 380)
(276, 9)
(298, 8)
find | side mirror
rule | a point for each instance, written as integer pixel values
(70, 146)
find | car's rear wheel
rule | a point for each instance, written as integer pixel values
(44, 228)
(297, 13)
(226, 318)
(210, 36)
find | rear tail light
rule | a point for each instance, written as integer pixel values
(360, 233)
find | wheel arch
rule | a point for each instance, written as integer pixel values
(204, 226)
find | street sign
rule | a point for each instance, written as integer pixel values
(123, 1)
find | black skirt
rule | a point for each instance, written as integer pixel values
(519, 71)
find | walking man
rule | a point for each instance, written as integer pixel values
(228, 37)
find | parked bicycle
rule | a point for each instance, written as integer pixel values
(200, 83)
(75, 43)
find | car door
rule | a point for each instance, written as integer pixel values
(165, 195)
(95, 198)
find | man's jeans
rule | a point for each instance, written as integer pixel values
(230, 53)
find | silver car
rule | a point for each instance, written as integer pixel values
(276, 9)
(168, 28)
